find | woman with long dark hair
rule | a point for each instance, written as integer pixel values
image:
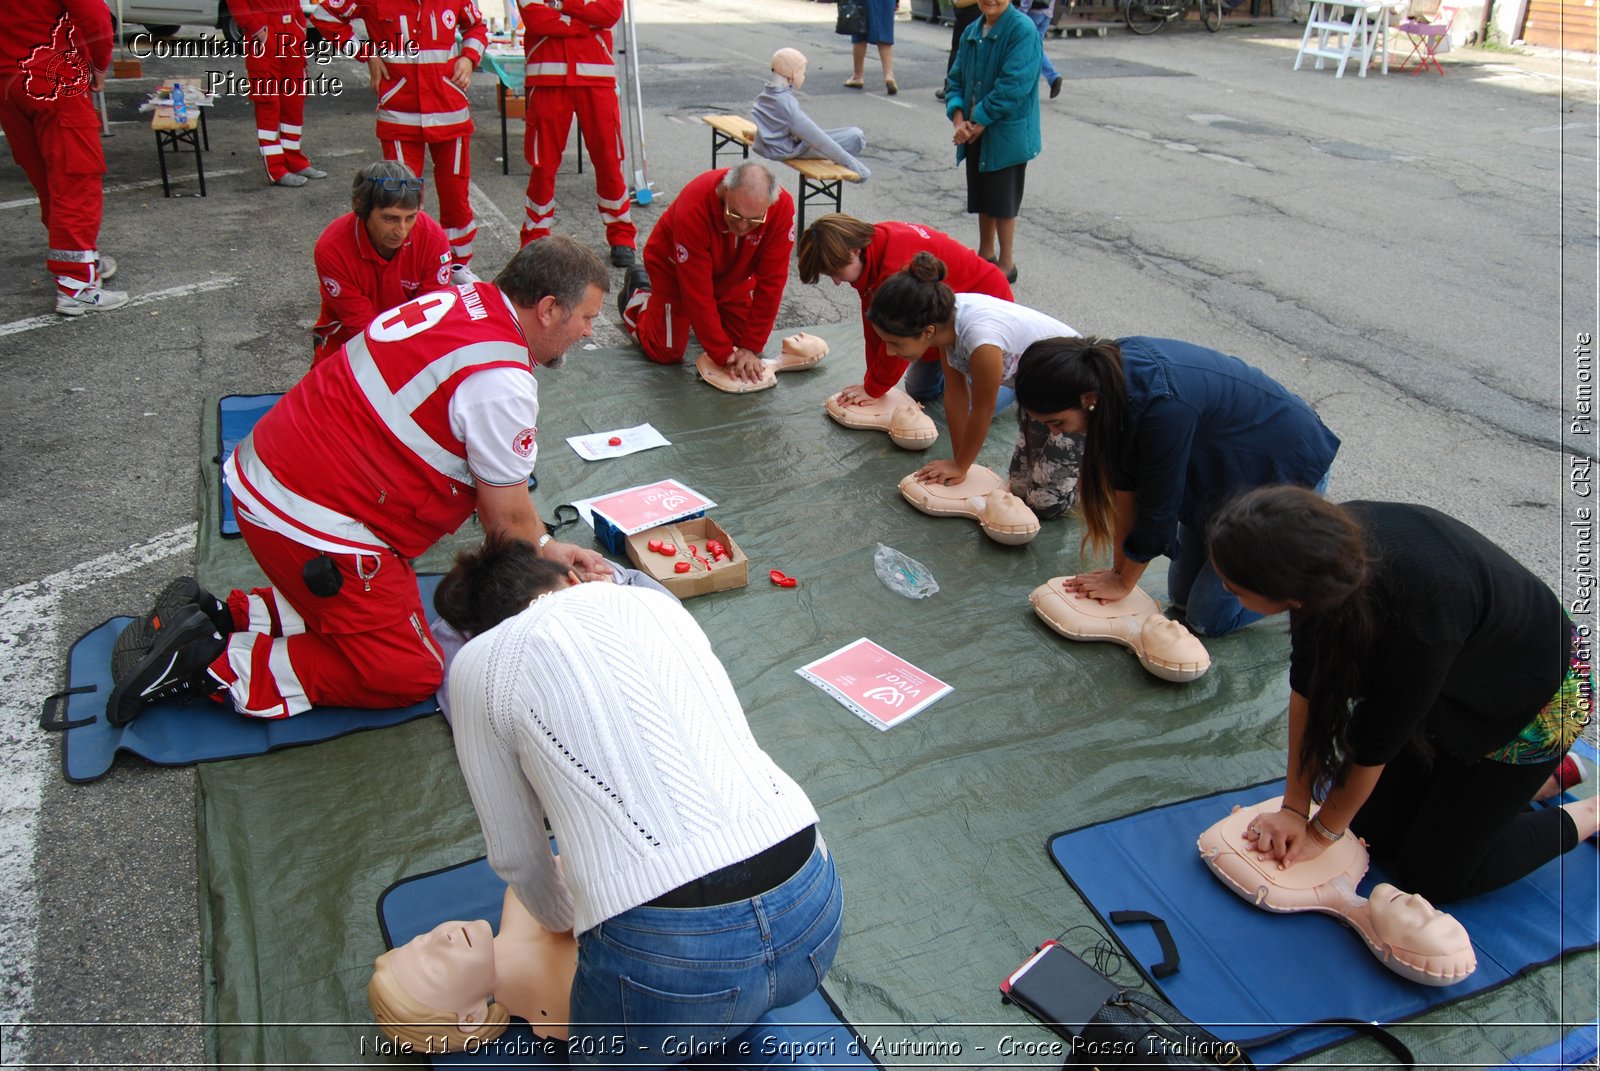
(1171, 431)
(1435, 687)
(979, 339)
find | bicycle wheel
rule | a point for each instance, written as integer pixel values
(1211, 14)
(1146, 16)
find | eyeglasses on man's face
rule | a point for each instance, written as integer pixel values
(734, 217)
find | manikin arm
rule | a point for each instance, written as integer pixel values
(805, 128)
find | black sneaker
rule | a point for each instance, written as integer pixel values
(186, 591)
(622, 256)
(633, 280)
(168, 663)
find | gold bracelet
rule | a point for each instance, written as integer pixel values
(1324, 832)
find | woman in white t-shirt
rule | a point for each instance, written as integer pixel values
(982, 338)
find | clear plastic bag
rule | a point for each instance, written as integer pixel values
(905, 575)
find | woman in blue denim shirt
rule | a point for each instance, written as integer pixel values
(1171, 432)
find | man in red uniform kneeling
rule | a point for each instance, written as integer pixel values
(715, 264)
(382, 253)
(378, 453)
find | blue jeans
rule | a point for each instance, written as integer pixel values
(657, 986)
(1041, 22)
(924, 381)
(1209, 608)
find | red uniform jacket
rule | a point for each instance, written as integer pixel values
(253, 15)
(361, 451)
(31, 47)
(416, 39)
(692, 246)
(893, 246)
(568, 42)
(357, 283)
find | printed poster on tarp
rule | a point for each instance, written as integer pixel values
(880, 688)
(643, 507)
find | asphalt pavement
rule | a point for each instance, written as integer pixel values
(1413, 255)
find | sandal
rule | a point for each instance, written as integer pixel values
(891, 86)
(853, 83)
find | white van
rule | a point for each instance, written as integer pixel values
(163, 17)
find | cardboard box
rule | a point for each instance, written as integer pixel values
(648, 505)
(516, 105)
(126, 68)
(732, 572)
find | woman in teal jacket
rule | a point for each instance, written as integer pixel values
(992, 99)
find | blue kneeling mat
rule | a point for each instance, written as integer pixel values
(180, 734)
(236, 415)
(1246, 973)
(810, 1033)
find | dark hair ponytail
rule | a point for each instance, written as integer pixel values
(1054, 374)
(913, 299)
(1290, 544)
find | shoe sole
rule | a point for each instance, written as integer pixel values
(124, 704)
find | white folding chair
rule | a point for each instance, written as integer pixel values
(1357, 27)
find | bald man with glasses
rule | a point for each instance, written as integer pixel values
(714, 265)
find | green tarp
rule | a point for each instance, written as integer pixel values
(938, 825)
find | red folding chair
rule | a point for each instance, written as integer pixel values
(1426, 38)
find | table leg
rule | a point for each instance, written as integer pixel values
(161, 155)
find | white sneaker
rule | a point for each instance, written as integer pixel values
(90, 299)
(108, 267)
(312, 172)
(290, 179)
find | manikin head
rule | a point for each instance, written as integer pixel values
(1169, 641)
(436, 987)
(790, 65)
(806, 346)
(557, 287)
(1409, 922)
(387, 198)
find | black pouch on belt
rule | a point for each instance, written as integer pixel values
(322, 577)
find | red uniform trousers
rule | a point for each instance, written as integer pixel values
(452, 175)
(659, 322)
(57, 145)
(549, 120)
(276, 92)
(366, 646)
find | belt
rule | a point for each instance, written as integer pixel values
(758, 874)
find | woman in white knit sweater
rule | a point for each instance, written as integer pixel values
(691, 869)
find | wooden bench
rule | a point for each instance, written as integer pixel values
(172, 136)
(819, 179)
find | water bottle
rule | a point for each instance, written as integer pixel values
(180, 110)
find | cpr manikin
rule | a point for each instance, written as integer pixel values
(1164, 647)
(460, 980)
(895, 412)
(800, 351)
(1408, 934)
(785, 132)
(981, 495)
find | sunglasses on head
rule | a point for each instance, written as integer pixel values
(395, 185)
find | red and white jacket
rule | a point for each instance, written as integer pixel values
(357, 282)
(360, 455)
(568, 42)
(273, 15)
(416, 39)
